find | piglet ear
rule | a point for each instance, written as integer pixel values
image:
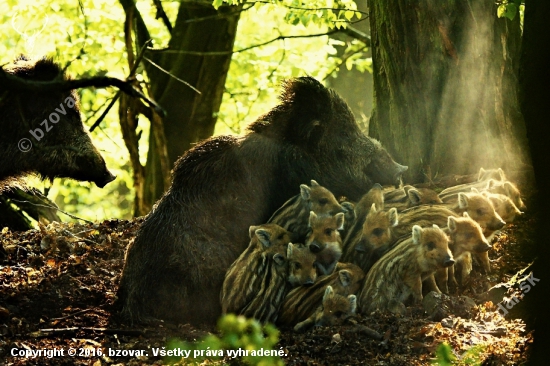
(451, 223)
(480, 174)
(373, 208)
(393, 216)
(252, 230)
(352, 303)
(329, 292)
(312, 218)
(416, 234)
(414, 196)
(314, 183)
(345, 277)
(465, 214)
(264, 236)
(474, 190)
(305, 192)
(462, 201)
(289, 250)
(279, 259)
(340, 221)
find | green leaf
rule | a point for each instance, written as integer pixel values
(511, 11)
(349, 14)
(217, 3)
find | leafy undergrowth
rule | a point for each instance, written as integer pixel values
(58, 286)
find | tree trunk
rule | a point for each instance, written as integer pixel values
(535, 97)
(445, 81)
(191, 116)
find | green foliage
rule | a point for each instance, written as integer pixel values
(444, 356)
(509, 8)
(236, 332)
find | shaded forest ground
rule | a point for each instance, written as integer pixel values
(58, 285)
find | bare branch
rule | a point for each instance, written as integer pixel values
(172, 75)
(162, 15)
(130, 76)
(357, 34)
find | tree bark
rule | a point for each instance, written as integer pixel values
(445, 81)
(534, 100)
(191, 116)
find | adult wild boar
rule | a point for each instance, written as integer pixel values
(175, 268)
(42, 133)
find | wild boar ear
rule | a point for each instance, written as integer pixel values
(481, 174)
(252, 230)
(289, 249)
(352, 303)
(407, 188)
(373, 208)
(345, 277)
(394, 216)
(264, 236)
(490, 184)
(435, 226)
(314, 183)
(279, 259)
(451, 223)
(329, 292)
(340, 221)
(312, 218)
(414, 196)
(376, 186)
(501, 174)
(462, 200)
(416, 234)
(305, 192)
(465, 214)
(508, 188)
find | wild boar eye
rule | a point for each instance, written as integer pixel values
(431, 245)
(328, 231)
(323, 201)
(378, 231)
(338, 314)
(479, 211)
(281, 236)
(297, 265)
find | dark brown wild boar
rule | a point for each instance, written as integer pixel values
(42, 133)
(334, 310)
(294, 214)
(174, 269)
(400, 272)
(324, 240)
(301, 302)
(243, 279)
(373, 241)
(298, 268)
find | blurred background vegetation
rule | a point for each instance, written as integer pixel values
(88, 38)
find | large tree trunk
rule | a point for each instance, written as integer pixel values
(445, 81)
(191, 116)
(535, 98)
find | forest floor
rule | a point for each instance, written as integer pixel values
(58, 285)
